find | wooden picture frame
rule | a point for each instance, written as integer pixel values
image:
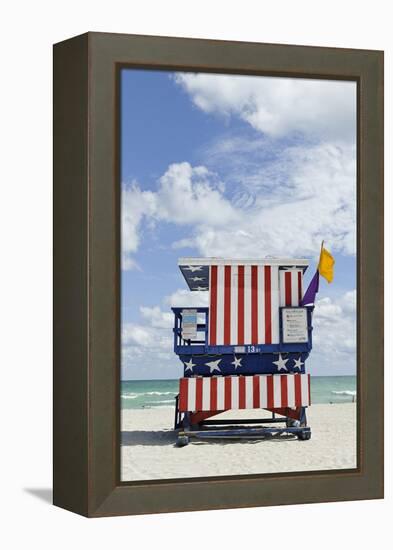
(86, 418)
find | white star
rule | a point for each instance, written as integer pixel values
(193, 268)
(280, 363)
(237, 362)
(197, 279)
(298, 363)
(189, 365)
(199, 288)
(213, 365)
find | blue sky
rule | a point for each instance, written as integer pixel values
(233, 166)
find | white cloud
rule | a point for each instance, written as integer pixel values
(146, 337)
(185, 195)
(188, 194)
(185, 298)
(148, 346)
(334, 335)
(279, 198)
(348, 302)
(322, 109)
(288, 205)
(145, 348)
(135, 204)
(156, 317)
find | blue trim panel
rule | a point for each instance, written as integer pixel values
(259, 363)
(201, 347)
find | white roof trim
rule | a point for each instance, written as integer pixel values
(239, 261)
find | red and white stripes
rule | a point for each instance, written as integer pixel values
(291, 291)
(219, 393)
(244, 302)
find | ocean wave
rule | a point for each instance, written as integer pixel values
(345, 392)
(143, 394)
(160, 393)
(149, 407)
(159, 402)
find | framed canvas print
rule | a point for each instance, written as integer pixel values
(218, 274)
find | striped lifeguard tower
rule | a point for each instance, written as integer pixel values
(246, 350)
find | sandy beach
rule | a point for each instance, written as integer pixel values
(149, 451)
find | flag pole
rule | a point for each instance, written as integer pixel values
(320, 254)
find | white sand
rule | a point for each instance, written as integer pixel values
(149, 451)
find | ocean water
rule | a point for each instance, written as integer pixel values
(140, 394)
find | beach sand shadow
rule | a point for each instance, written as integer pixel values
(169, 437)
(148, 437)
(245, 440)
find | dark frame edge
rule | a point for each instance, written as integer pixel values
(70, 275)
(370, 310)
(149, 499)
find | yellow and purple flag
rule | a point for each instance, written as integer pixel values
(326, 269)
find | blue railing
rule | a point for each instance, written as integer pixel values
(197, 345)
(200, 345)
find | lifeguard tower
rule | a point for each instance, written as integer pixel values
(246, 350)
